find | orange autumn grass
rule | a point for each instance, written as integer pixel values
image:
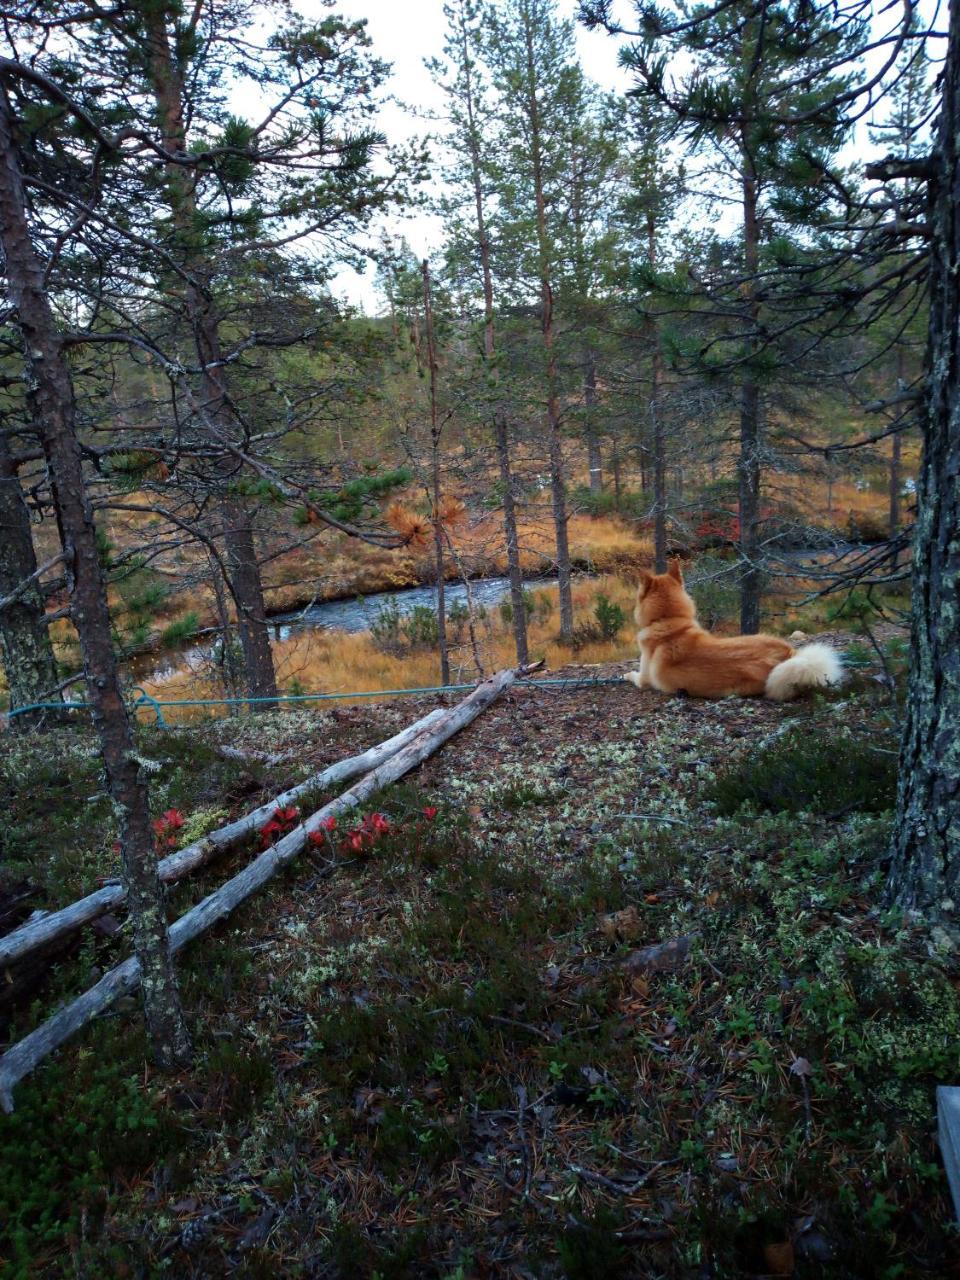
(335, 662)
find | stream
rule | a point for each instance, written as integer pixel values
(353, 615)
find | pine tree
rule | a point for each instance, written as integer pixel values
(527, 48)
(758, 96)
(52, 410)
(465, 209)
(651, 191)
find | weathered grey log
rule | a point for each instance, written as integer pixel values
(948, 1136)
(22, 1057)
(52, 927)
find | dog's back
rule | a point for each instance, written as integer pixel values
(678, 655)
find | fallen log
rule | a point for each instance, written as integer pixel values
(21, 1058)
(49, 929)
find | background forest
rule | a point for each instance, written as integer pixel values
(643, 331)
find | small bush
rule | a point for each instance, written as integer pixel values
(458, 615)
(804, 772)
(385, 628)
(592, 503)
(529, 606)
(180, 630)
(610, 617)
(542, 605)
(866, 526)
(713, 585)
(398, 633)
(421, 627)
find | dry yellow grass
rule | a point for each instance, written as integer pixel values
(335, 662)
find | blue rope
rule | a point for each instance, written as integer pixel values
(156, 703)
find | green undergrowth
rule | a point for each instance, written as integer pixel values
(799, 772)
(429, 1056)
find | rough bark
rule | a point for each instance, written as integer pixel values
(25, 650)
(51, 404)
(658, 434)
(896, 478)
(925, 863)
(22, 1057)
(436, 478)
(748, 463)
(594, 455)
(38, 934)
(517, 600)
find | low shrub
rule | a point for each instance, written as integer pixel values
(610, 617)
(594, 503)
(712, 583)
(421, 627)
(801, 772)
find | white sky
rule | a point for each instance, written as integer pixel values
(404, 33)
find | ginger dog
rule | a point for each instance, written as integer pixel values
(677, 655)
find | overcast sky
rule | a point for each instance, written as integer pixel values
(404, 33)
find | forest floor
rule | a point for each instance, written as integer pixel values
(453, 1055)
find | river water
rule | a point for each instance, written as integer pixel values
(354, 615)
(360, 614)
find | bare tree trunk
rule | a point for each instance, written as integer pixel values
(658, 434)
(895, 477)
(435, 431)
(500, 424)
(51, 403)
(241, 557)
(558, 488)
(925, 867)
(748, 466)
(230, 675)
(615, 467)
(594, 456)
(518, 603)
(659, 467)
(24, 640)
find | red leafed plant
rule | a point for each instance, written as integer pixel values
(282, 821)
(166, 827)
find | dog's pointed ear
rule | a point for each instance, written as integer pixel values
(675, 571)
(643, 585)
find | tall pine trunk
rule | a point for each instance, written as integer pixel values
(594, 455)
(51, 404)
(501, 428)
(895, 476)
(748, 465)
(925, 866)
(558, 486)
(25, 649)
(243, 570)
(435, 479)
(658, 434)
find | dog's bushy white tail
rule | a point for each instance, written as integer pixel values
(812, 667)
